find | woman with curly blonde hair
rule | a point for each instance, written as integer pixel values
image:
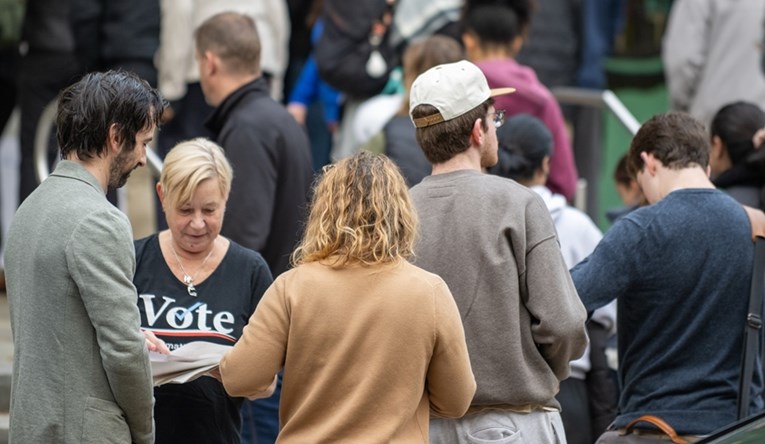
(370, 344)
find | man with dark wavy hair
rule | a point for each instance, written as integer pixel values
(80, 366)
(680, 269)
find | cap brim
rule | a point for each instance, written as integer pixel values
(501, 91)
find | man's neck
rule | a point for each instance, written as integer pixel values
(462, 161)
(484, 55)
(685, 178)
(97, 166)
(231, 83)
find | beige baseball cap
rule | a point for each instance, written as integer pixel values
(453, 89)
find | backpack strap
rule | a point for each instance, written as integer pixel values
(660, 424)
(752, 329)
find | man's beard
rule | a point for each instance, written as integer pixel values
(119, 172)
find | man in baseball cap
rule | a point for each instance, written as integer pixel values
(493, 242)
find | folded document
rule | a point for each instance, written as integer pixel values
(186, 363)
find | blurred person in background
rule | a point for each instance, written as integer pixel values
(63, 39)
(493, 33)
(711, 55)
(738, 166)
(178, 72)
(397, 138)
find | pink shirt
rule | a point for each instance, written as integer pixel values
(532, 97)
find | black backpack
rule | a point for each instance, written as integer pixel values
(352, 54)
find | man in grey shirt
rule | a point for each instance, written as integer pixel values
(80, 367)
(493, 242)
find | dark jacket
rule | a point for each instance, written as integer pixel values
(271, 158)
(402, 147)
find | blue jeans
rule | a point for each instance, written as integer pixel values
(260, 418)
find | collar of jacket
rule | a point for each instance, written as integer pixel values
(258, 87)
(73, 170)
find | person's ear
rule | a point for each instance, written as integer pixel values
(649, 163)
(208, 63)
(161, 195)
(716, 151)
(546, 166)
(113, 139)
(477, 133)
(516, 45)
(471, 43)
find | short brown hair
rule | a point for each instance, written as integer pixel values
(234, 38)
(361, 213)
(442, 141)
(675, 139)
(423, 54)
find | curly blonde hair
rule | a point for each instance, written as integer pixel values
(361, 213)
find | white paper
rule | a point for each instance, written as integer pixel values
(186, 363)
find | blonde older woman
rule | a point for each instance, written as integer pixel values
(195, 285)
(369, 343)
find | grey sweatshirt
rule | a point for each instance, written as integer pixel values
(493, 242)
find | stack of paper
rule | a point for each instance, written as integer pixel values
(186, 363)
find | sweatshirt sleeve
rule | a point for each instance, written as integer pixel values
(250, 367)
(606, 273)
(559, 317)
(450, 381)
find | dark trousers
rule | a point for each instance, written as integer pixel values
(588, 406)
(260, 418)
(575, 411)
(602, 387)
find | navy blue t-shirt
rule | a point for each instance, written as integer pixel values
(199, 411)
(681, 270)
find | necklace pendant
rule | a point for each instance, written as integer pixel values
(189, 281)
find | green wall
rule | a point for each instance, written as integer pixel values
(642, 103)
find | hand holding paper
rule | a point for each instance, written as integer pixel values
(186, 363)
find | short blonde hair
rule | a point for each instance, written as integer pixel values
(189, 164)
(361, 213)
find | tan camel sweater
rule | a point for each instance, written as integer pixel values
(368, 353)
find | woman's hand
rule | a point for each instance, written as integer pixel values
(154, 344)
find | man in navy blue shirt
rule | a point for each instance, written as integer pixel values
(681, 270)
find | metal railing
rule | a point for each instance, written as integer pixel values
(588, 149)
(598, 99)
